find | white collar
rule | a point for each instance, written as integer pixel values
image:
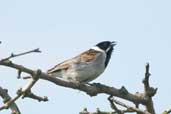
(97, 49)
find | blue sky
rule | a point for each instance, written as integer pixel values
(63, 29)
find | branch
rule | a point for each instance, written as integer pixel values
(20, 54)
(92, 90)
(22, 90)
(149, 91)
(6, 97)
(29, 94)
(127, 106)
(98, 111)
(113, 106)
(95, 89)
(85, 111)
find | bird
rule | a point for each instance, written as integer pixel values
(86, 66)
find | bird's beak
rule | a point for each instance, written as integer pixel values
(113, 43)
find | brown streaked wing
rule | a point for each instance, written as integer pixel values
(89, 55)
(62, 66)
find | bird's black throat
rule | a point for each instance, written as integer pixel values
(108, 56)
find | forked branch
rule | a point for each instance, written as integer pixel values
(6, 97)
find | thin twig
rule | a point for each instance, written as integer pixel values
(149, 91)
(20, 54)
(129, 107)
(29, 94)
(146, 79)
(113, 106)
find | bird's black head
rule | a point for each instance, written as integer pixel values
(107, 46)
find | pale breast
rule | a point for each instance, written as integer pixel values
(87, 71)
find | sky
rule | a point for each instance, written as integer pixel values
(64, 28)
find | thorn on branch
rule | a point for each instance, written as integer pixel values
(151, 91)
(19, 74)
(123, 90)
(26, 77)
